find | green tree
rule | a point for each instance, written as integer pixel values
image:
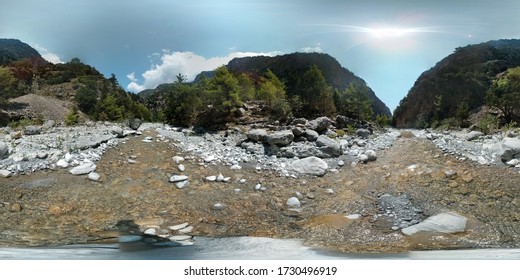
(247, 87)
(504, 95)
(86, 99)
(224, 90)
(110, 110)
(184, 104)
(357, 102)
(72, 117)
(271, 89)
(317, 95)
(7, 85)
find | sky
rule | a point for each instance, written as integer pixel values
(145, 43)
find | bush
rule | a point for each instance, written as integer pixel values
(488, 124)
(72, 117)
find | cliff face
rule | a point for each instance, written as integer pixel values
(291, 68)
(463, 76)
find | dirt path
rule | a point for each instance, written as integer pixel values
(58, 208)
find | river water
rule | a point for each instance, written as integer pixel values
(235, 248)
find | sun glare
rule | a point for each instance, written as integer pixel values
(388, 32)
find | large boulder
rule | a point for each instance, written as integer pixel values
(311, 135)
(32, 130)
(510, 149)
(474, 135)
(362, 132)
(280, 138)
(310, 166)
(448, 222)
(342, 121)
(257, 135)
(134, 123)
(4, 150)
(328, 146)
(320, 124)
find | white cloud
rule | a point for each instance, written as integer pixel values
(188, 64)
(311, 49)
(47, 55)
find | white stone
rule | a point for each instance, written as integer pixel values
(147, 141)
(179, 237)
(62, 163)
(181, 167)
(211, 178)
(310, 166)
(177, 159)
(218, 206)
(372, 156)
(353, 216)
(131, 161)
(242, 181)
(293, 202)
(209, 158)
(177, 227)
(449, 222)
(182, 184)
(236, 167)
(83, 169)
(341, 163)
(5, 173)
(329, 191)
(4, 150)
(151, 231)
(178, 178)
(258, 186)
(514, 162)
(220, 178)
(68, 157)
(363, 158)
(93, 176)
(185, 230)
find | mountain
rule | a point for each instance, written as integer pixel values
(12, 50)
(290, 68)
(462, 77)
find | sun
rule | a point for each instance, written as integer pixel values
(389, 32)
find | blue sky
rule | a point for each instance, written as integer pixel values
(145, 43)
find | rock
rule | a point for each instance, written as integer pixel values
(4, 150)
(220, 178)
(62, 163)
(83, 169)
(309, 166)
(257, 135)
(180, 237)
(182, 184)
(341, 163)
(16, 207)
(449, 222)
(236, 167)
(329, 191)
(364, 133)
(5, 173)
(280, 138)
(372, 156)
(181, 167)
(342, 121)
(117, 131)
(177, 159)
(450, 174)
(311, 135)
(94, 176)
(150, 231)
(328, 146)
(68, 157)
(514, 162)
(510, 149)
(353, 216)
(218, 206)
(474, 135)
(185, 230)
(363, 158)
(211, 178)
(177, 227)
(48, 124)
(31, 130)
(135, 123)
(178, 178)
(298, 131)
(41, 155)
(254, 148)
(320, 124)
(298, 121)
(293, 202)
(131, 161)
(209, 158)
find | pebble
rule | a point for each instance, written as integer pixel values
(236, 167)
(181, 167)
(93, 176)
(293, 202)
(353, 216)
(177, 227)
(178, 178)
(218, 206)
(329, 191)
(16, 207)
(5, 173)
(341, 163)
(211, 178)
(450, 174)
(151, 231)
(242, 181)
(185, 230)
(83, 169)
(209, 159)
(131, 161)
(220, 178)
(62, 163)
(177, 159)
(258, 186)
(182, 184)
(179, 237)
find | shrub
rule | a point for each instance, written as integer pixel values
(72, 117)
(488, 124)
